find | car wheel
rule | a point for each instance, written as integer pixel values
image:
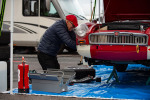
(121, 67)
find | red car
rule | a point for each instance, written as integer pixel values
(123, 39)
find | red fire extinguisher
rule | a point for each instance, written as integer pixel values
(23, 77)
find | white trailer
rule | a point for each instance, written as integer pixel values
(33, 17)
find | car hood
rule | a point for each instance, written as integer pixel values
(118, 10)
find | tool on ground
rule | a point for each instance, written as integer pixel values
(87, 79)
(23, 77)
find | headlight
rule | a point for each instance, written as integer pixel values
(81, 30)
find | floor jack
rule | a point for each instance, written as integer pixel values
(89, 78)
(86, 79)
(113, 74)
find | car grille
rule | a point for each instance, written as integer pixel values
(121, 38)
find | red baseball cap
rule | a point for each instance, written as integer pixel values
(73, 19)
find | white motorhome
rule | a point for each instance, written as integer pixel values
(33, 17)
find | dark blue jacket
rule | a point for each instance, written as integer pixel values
(56, 35)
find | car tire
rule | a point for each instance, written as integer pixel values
(121, 67)
(4, 52)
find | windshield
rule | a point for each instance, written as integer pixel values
(87, 6)
(72, 7)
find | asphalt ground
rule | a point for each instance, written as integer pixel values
(65, 60)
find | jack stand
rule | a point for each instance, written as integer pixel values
(113, 73)
(81, 63)
(148, 81)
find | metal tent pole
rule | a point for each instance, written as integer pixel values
(91, 7)
(99, 15)
(11, 47)
(99, 12)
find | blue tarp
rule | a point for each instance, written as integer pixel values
(132, 85)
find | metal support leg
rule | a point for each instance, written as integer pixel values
(148, 81)
(113, 74)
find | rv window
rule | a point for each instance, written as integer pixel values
(30, 7)
(48, 11)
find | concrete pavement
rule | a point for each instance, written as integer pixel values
(65, 60)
